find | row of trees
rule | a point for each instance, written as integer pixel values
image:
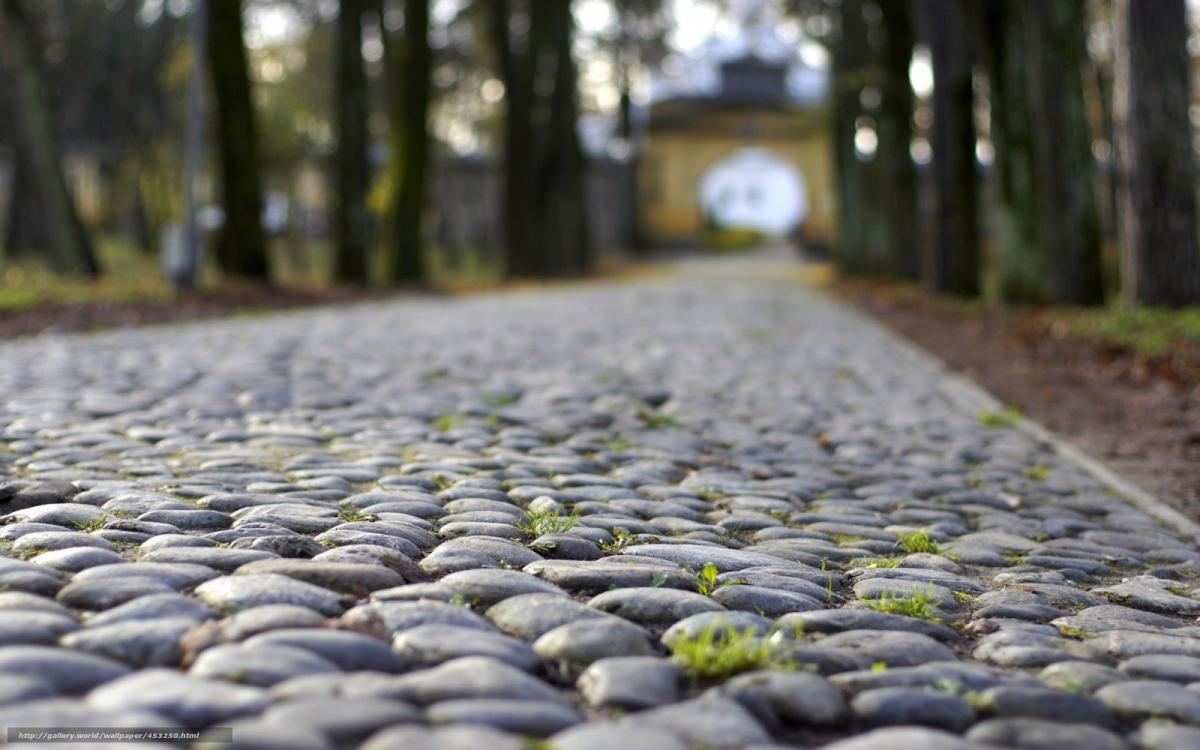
(1020, 73)
(528, 43)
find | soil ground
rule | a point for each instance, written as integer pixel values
(232, 298)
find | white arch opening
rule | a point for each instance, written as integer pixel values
(754, 189)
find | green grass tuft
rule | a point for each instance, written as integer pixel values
(706, 580)
(720, 651)
(447, 422)
(537, 523)
(655, 420)
(919, 605)
(918, 541)
(89, 526)
(1000, 419)
(876, 562)
(621, 538)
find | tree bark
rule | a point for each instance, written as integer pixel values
(1020, 261)
(561, 207)
(1160, 254)
(1070, 221)
(955, 267)
(241, 248)
(68, 246)
(25, 230)
(632, 229)
(851, 59)
(895, 140)
(516, 71)
(411, 157)
(352, 169)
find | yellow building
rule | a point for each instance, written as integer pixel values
(688, 136)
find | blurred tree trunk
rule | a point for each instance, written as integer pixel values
(25, 230)
(353, 168)
(241, 246)
(68, 246)
(1161, 261)
(851, 59)
(895, 140)
(516, 62)
(1020, 259)
(411, 145)
(955, 266)
(561, 209)
(632, 229)
(1070, 222)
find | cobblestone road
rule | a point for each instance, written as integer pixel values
(707, 509)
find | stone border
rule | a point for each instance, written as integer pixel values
(970, 395)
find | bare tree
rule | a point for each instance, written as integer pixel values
(1070, 221)
(410, 144)
(352, 168)
(1157, 194)
(241, 247)
(67, 244)
(545, 216)
(854, 69)
(895, 138)
(955, 262)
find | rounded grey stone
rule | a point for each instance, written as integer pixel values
(70, 672)
(630, 682)
(527, 718)
(262, 665)
(429, 645)
(233, 593)
(653, 606)
(902, 706)
(585, 641)
(191, 701)
(797, 698)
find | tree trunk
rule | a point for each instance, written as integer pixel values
(561, 207)
(25, 230)
(241, 247)
(632, 219)
(895, 139)
(1160, 257)
(67, 243)
(353, 169)
(516, 71)
(851, 59)
(1070, 222)
(955, 266)
(412, 146)
(1020, 260)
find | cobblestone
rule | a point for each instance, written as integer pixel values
(707, 508)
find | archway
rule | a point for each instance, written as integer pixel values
(754, 192)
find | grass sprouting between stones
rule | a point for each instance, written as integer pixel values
(706, 580)
(617, 444)
(721, 650)
(1007, 417)
(87, 527)
(876, 562)
(919, 605)
(621, 538)
(918, 541)
(654, 420)
(537, 523)
(447, 422)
